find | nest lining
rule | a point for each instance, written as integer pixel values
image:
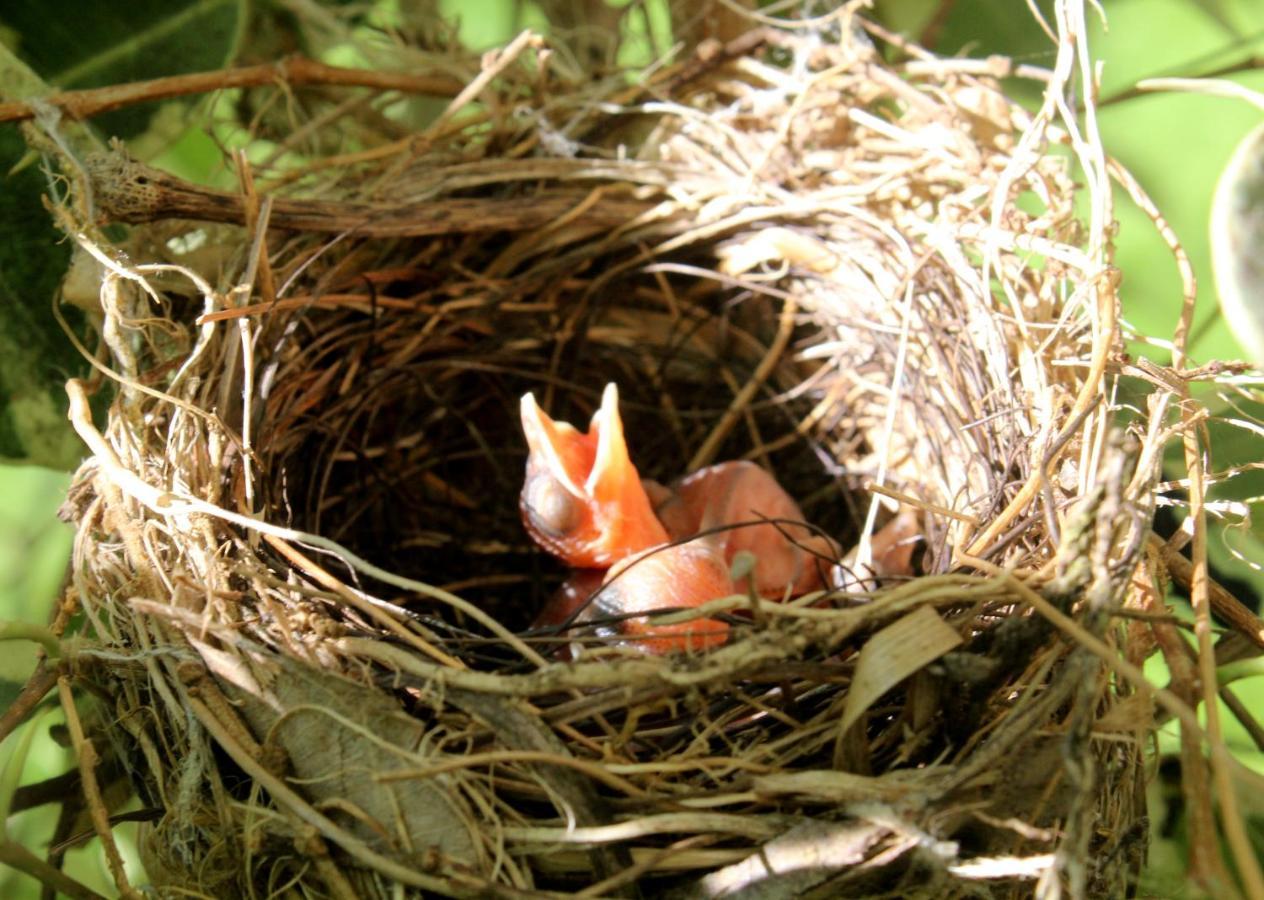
(819, 262)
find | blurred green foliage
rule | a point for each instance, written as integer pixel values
(34, 549)
(81, 44)
(35, 356)
(1175, 144)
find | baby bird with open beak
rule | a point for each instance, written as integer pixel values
(583, 501)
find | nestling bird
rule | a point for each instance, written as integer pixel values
(582, 499)
(792, 559)
(584, 502)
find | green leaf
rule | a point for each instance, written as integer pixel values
(35, 356)
(85, 44)
(11, 774)
(9, 691)
(78, 44)
(1237, 230)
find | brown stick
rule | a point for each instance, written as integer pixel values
(24, 860)
(88, 759)
(1242, 713)
(1205, 862)
(42, 681)
(293, 70)
(1225, 605)
(129, 191)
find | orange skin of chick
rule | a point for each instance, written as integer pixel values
(583, 501)
(792, 559)
(670, 576)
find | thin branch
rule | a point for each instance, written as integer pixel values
(126, 190)
(50, 790)
(88, 759)
(295, 71)
(24, 860)
(36, 688)
(1242, 713)
(1240, 618)
(27, 631)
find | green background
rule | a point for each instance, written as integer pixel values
(1176, 146)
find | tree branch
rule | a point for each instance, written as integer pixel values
(293, 70)
(125, 190)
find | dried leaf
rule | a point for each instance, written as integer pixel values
(778, 246)
(893, 654)
(340, 739)
(844, 787)
(793, 864)
(1133, 713)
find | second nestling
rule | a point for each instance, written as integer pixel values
(640, 547)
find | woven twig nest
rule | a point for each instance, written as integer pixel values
(308, 587)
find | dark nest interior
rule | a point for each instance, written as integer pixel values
(309, 593)
(398, 431)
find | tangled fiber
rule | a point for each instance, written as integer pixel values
(307, 589)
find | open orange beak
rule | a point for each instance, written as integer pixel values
(582, 499)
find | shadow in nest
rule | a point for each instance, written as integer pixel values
(394, 428)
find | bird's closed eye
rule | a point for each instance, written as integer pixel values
(552, 508)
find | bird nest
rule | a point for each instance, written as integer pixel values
(309, 596)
